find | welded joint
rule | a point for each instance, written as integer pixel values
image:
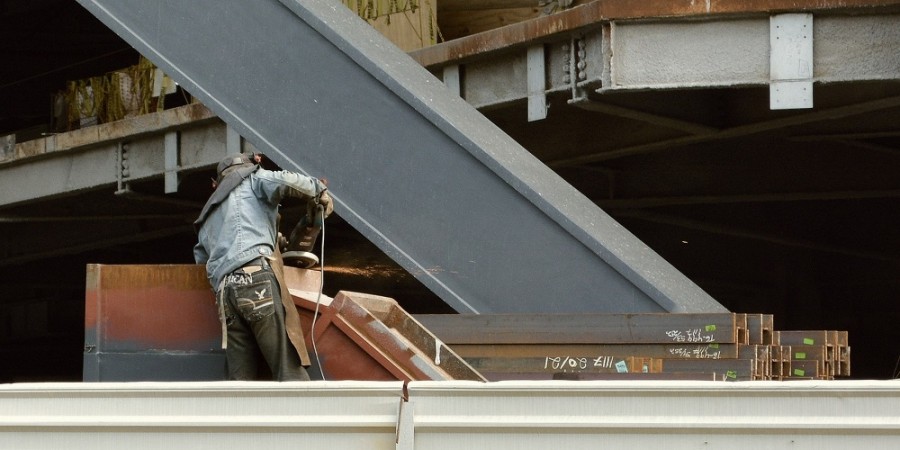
(575, 67)
(791, 61)
(172, 149)
(536, 80)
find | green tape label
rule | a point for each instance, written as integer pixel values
(731, 374)
(799, 355)
(713, 345)
(799, 372)
(710, 328)
(808, 341)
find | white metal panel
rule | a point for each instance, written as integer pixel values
(453, 415)
(263, 415)
(670, 415)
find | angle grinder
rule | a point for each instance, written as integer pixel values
(298, 252)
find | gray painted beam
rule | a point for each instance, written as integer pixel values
(89, 163)
(414, 168)
(675, 53)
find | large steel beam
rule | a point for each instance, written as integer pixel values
(87, 159)
(415, 169)
(576, 20)
(663, 54)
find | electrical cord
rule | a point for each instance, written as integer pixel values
(312, 327)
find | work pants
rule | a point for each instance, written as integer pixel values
(254, 316)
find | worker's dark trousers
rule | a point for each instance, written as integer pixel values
(254, 316)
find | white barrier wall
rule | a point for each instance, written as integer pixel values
(452, 415)
(657, 414)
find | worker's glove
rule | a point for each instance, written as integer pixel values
(325, 202)
(282, 242)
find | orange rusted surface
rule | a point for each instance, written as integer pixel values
(137, 307)
(598, 11)
(175, 118)
(164, 318)
(369, 337)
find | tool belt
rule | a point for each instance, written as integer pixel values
(254, 266)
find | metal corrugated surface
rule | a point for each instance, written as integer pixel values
(452, 415)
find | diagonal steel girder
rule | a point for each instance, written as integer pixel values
(420, 173)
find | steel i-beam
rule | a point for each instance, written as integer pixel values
(414, 168)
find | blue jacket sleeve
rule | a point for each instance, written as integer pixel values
(278, 184)
(200, 254)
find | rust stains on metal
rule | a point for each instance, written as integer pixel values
(151, 307)
(368, 337)
(598, 11)
(141, 310)
(180, 117)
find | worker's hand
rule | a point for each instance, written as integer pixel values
(325, 201)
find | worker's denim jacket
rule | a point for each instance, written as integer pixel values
(243, 227)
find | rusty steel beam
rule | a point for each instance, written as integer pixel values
(593, 376)
(477, 5)
(112, 132)
(522, 368)
(649, 328)
(761, 356)
(153, 323)
(760, 328)
(368, 337)
(843, 344)
(805, 337)
(805, 370)
(725, 369)
(593, 13)
(697, 351)
(819, 354)
(159, 323)
(781, 361)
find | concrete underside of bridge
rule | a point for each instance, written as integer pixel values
(669, 128)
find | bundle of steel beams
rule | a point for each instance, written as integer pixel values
(722, 346)
(146, 322)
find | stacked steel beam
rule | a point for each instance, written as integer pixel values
(721, 346)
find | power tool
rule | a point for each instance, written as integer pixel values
(300, 245)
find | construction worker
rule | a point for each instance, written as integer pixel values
(237, 234)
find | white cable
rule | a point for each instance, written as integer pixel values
(312, 327)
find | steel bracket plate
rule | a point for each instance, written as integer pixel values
(791, 61)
